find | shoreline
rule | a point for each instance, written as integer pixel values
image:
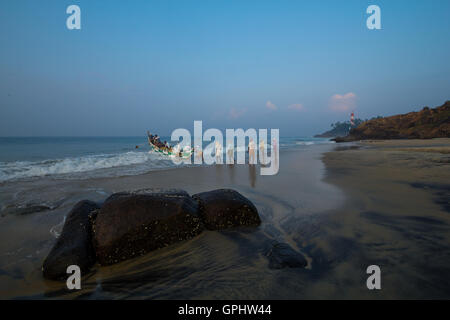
(343, 207)
(231, 255)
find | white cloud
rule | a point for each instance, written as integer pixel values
(270, 105)
(237, 113)
(296, 106)
(343, 103)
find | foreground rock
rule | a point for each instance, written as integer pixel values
(226, 208)
(130, 224)
(281, 255)
(74, 246)
(425, 124)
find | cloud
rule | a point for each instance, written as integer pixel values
(237, 113)
(343, 103)
(296, 106)
(270, 105)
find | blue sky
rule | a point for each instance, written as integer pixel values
(160, 65)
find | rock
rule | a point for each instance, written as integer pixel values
(226, 208)
(130, 224)
(74, 246)
(343, 139)
(281, 255)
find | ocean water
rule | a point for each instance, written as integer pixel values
(73, 157)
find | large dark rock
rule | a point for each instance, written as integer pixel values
(226, 208)
(281, 255)
(74, 246)
(130, 224)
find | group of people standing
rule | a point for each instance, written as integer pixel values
(154, 140)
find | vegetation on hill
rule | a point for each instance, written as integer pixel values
(425, 124)
(339, 129)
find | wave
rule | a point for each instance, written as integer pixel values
(24, 169)
(295, 142)
(114, 164)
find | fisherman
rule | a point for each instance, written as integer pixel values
(230, 152)
(149, 137)
(167, 146)
(262, 149)
(154, 141)
(251, 152)
(198, 152)
(218, 153)
(158, 142)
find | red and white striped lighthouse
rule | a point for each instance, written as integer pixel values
(352, 119)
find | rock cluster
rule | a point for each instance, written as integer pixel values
(129, 224)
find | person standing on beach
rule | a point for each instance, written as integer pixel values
(230, 153)
(274, 152)
(262, 149)
(251, 152)
(198, 152)
(219, 158)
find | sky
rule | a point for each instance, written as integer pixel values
(297, 66)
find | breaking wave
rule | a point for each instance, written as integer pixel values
(141, 161)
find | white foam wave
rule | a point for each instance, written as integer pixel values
(305, 143)
(24, 169)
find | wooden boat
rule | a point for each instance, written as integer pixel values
(164, 151)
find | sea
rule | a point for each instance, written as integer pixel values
(87, 157)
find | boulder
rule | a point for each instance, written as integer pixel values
(226, 208)
(281, 255)
(74, 245)
(130, 224)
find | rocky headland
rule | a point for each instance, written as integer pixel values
(425, 124)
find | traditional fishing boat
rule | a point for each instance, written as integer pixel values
(171, 151)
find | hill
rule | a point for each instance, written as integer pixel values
(425, 124)
(339, 129)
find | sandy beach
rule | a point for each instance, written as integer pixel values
(343, 206)
(396, 215)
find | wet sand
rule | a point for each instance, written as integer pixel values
(397, 216)
(344, 207)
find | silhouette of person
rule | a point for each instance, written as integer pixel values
(251, 152)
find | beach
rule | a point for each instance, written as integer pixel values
(343, 206)
(396, 216)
